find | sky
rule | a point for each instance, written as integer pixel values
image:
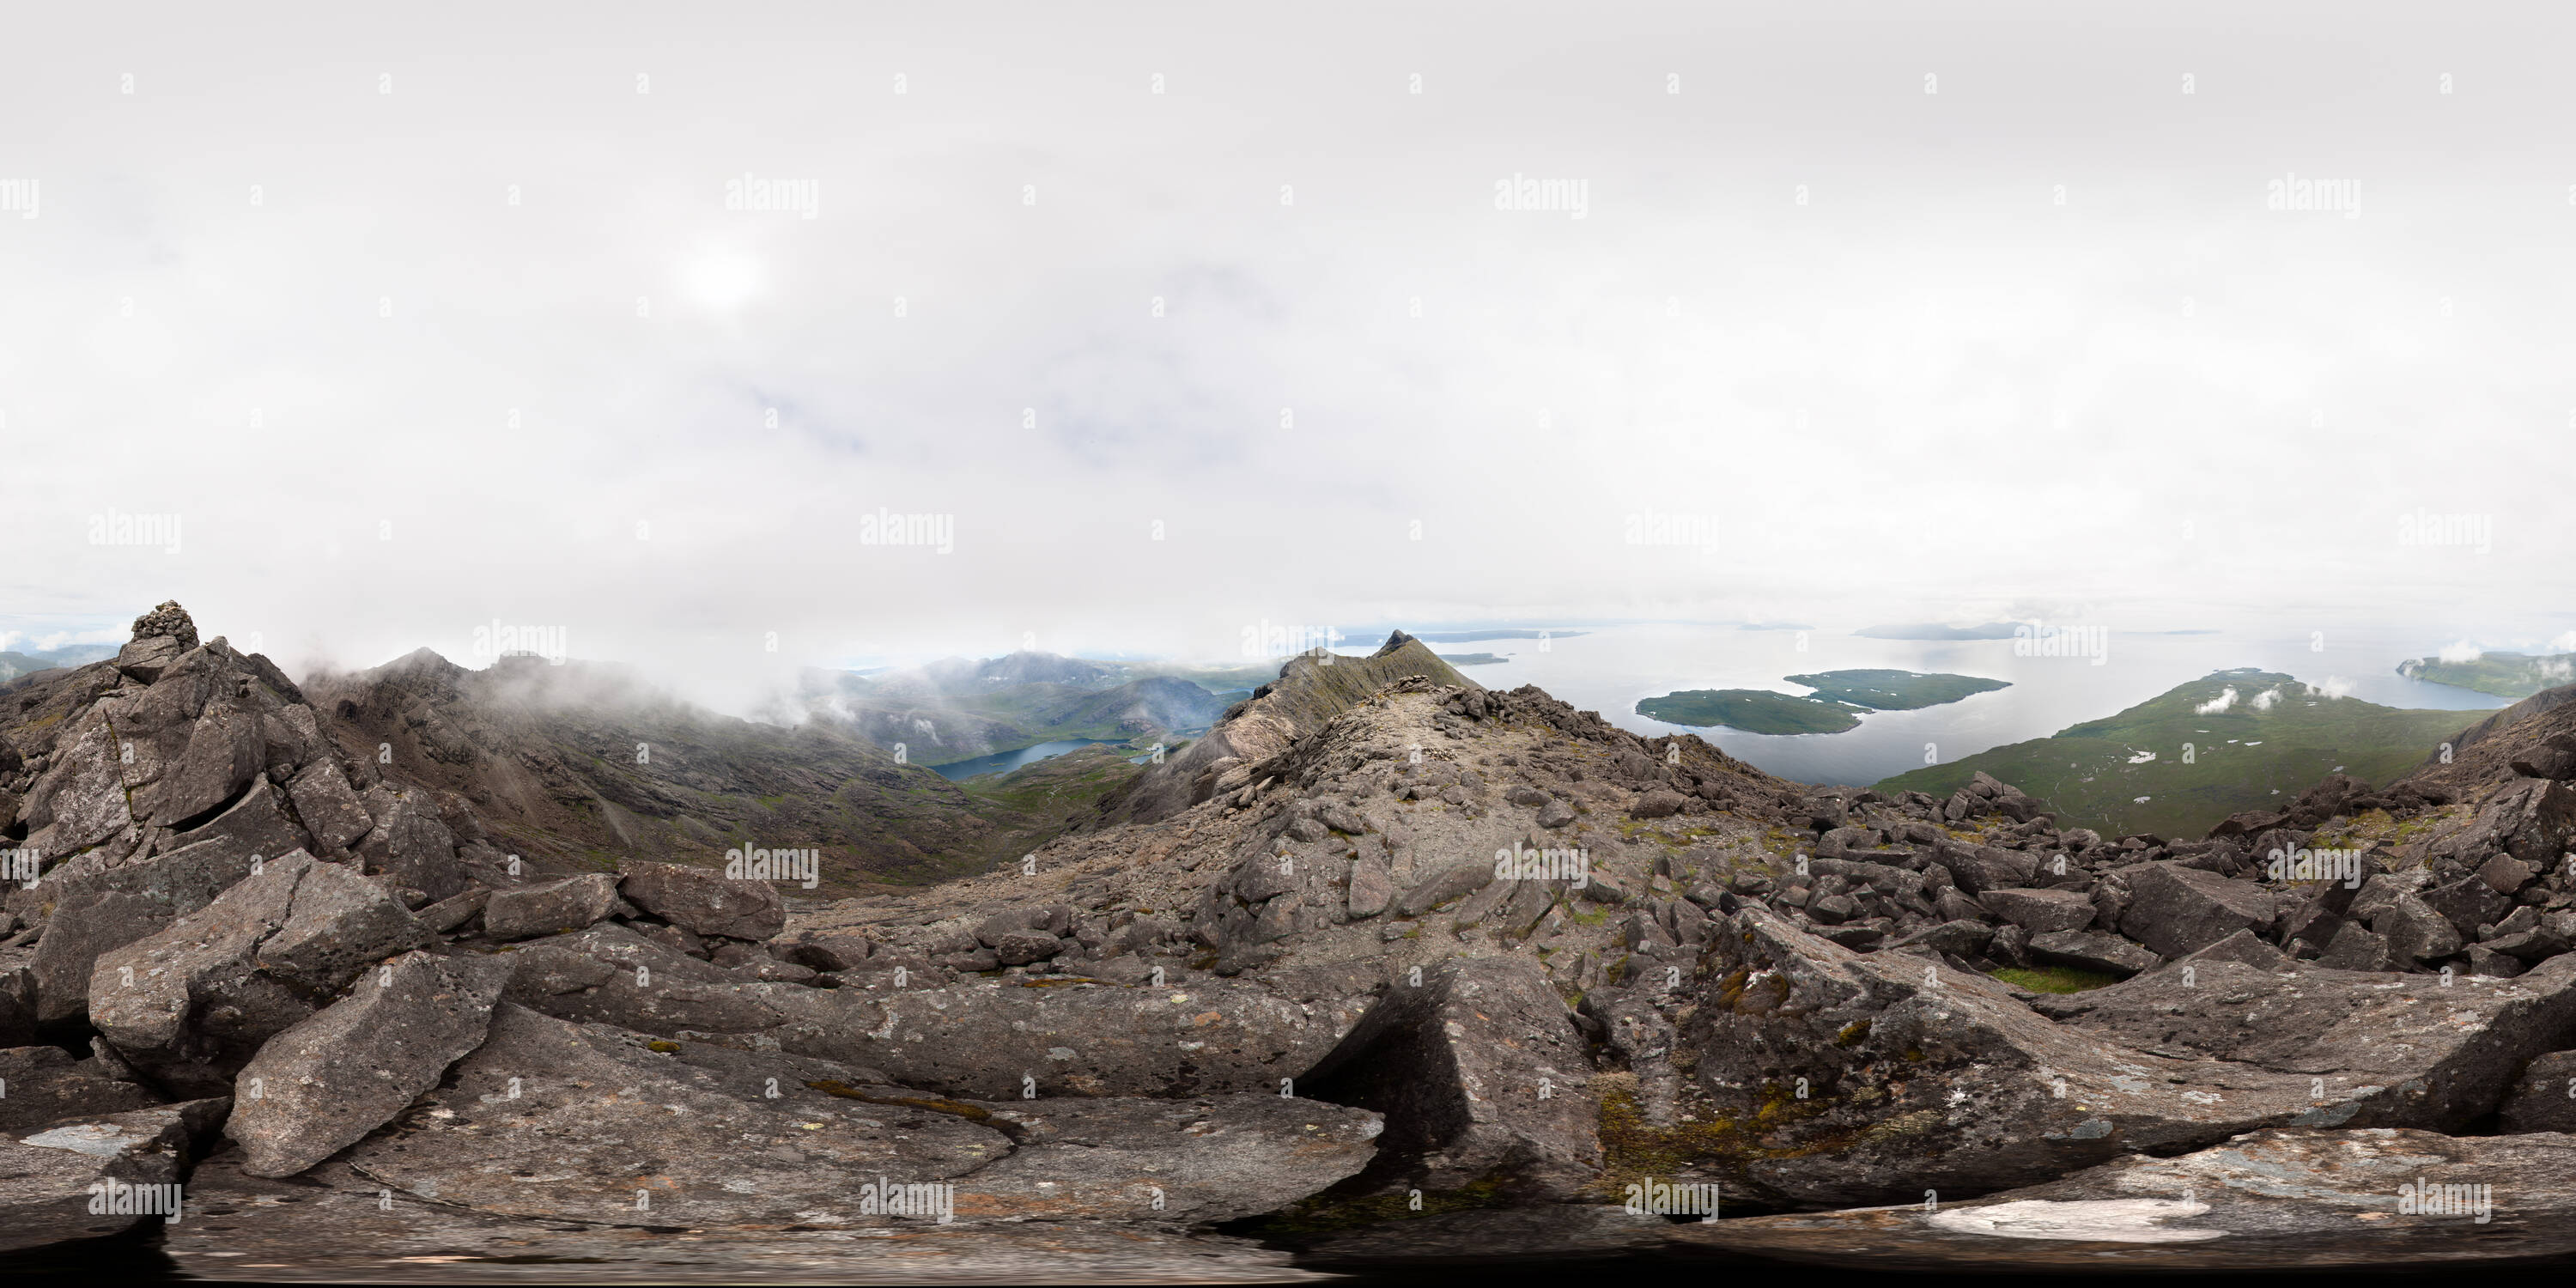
(655, 331)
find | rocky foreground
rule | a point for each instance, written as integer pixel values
(1388, 968)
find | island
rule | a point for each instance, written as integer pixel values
(2506, 675)
(1839, 700)
(1883, 690)
(1751, 711)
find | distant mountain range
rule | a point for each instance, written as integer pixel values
(958, 708)
(1937, 631)
(15, 664)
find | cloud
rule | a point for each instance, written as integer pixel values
(1155, 342)
(2225, 699)
(2265, 700)
(2462, 651)
(2335, 686)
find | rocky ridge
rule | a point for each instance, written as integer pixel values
(1407, 951)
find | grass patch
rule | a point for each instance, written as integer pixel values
(2055, 979)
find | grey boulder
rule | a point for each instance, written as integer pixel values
(45, 1083)
(2177, 910)
(550, 907)
(356, 1064)
(703, 902)
(50, 1179)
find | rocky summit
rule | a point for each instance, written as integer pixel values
(1387, 968)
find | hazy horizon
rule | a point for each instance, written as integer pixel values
(356, 332)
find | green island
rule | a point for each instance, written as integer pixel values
(1882, 690)
(2257, 739)
(2506, 675)
(1841, 698)
(1471, 659)
(1751, 711)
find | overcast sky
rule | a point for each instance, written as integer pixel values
(415, 322)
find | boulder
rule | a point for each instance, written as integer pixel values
(1483, 1080)
(2176, 910)
(340, 924)
(413, 845)
(79, 801)
(49, 1178)
(224, 750)
(610, 974)
(328, 805)
(2543, 1095)
(2040, 911)
(1192, 1161)
(1979, 868)
(2470, 902)
(994, 1039)
(2534, 821)
(45, 1083)
(2390, 1050)
(1442, 886)
(192, 1002)
(2284, 1200)
(1371, 888)
(704, 902)
(550, 907)
(2415, 932)
(1919, 1077)
(1658, 804)
(350, 1068)
(554, 1119)
(831, 950)
(100, 912)
(145, 660)
(710, 1133)
(2357, 948)
(2090, 950)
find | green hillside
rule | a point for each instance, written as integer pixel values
(2272, 739)
(2506, 675)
